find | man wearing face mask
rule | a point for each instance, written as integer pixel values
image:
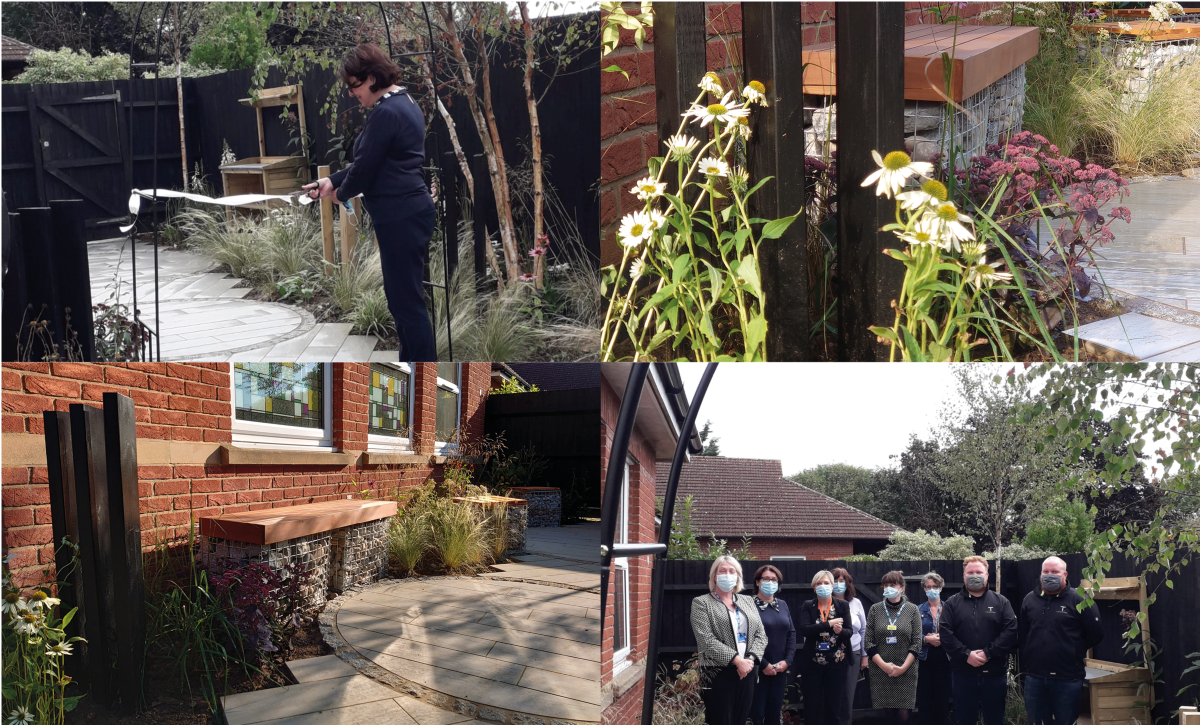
(731, 643)
(1055, 637)
(978, 632)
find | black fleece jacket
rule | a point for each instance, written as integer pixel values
(985, 622)
(388, 156)
(1055, 636)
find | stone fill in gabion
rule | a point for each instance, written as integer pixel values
(518, 520)
(545, 507)
(312, 550)
(359, 554)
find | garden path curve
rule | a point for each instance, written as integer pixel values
(205, 315)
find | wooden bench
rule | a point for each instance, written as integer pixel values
(343, 542)
(517, 512)
(982, 55)
(1145, 30)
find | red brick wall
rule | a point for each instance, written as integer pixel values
(628, 131)
(627, 708)
(763, 549)
(191, 402)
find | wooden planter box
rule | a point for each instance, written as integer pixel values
(1113, 693)
(518, 517)
(265, 175)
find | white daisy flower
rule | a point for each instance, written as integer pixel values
(931, 193)
(681, 146)
(713, 167)
(742, 128)
(711, 83)
(726, 111)
(894, 170)
(19, 716)
(755, 92)
(924, 234)
(657, 220)
(40, 599)
(58, 649)
(635, 229)
(29, 622)
(13, 604)
(986, 275)
(648, 188)
(950, 223)
(637, 269)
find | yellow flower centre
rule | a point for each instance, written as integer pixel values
(712, 77)
(717, 109)
(922, 237)
(743, 120)
(936, 189)
(947, 213)
(30, 618)
(896, 160)
(38, 596)
(637, 230)
(12, 597)
(758, 86)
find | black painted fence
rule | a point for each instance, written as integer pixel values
(1174, 623)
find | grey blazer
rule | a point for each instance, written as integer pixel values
(715, 637)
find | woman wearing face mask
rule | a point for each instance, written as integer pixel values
(933, 686)
(893, 643)
(843, 588)
(824, 623)
(781, 647)
(730, 637)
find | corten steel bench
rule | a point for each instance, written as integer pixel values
(344, 543)
(988, 79)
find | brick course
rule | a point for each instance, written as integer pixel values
(192, 403)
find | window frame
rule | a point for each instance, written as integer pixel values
(788, 558)
(621, 564)
(253, 434)
(377, 443)
(444, 448)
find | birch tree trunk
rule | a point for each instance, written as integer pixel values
(493, 154)
(179, 98)
(535, 132)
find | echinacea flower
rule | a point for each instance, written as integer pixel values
(13, 604)
(635, 229)
(924, 233)
(40, 598)
(985, 275)
(949, 222)
(726, 111)
(29, 622)
(58, 649)
(526, 277)
(680, 146)
(19, 716)
(713, 167)
(537, 252)
(711, 82)
(931, 193)
(894, 170)
(742, 128)
(738, 176)
(755, 92)
(648, 188)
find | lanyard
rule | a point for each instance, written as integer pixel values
(737, 632)
(937, 618)
(823, 614)
(892, 622)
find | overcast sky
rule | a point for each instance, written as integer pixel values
(808, 414)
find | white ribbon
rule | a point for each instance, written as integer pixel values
(135, 200)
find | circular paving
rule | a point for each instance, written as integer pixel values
(496, 648)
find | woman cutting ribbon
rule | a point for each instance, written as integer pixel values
(388, 156)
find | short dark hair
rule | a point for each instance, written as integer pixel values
(765, 568)
(841, 573)
(365, 60)
(893, 577)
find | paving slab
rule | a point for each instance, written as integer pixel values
(309, 697)
(1141, 337)
(327, 667)
(383, 712)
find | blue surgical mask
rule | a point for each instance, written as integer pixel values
(891, 593)
(824, 591)
(768, 587)
(727, 582)
(839, 588)
(933, 594)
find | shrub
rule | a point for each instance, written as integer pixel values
(861, 557)
(911, 546)
(70, 66)
(1018, 552)
(1065, 527)
(265, 604)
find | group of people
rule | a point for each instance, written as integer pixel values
(924, 656)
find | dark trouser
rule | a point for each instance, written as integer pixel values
(1045, 699)
(403, 248)
(978, 694)
(768, 698)
(822, 687)
(728, 698)
(933, 690)
(845, 713)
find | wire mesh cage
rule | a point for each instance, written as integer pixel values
(1148, 60)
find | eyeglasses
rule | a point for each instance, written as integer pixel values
(355, 86)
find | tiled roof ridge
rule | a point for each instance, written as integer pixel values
(842, 503)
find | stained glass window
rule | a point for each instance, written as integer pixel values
(280, 393)
(389, 401)
(447, 402)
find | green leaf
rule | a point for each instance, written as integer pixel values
(706, 327)
(680, 266)
(748, 271)
(756, 333)
(775, 229)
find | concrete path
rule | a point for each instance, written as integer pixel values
(205, 316)
(1132, 336)
(1157, 255)
(488, 648)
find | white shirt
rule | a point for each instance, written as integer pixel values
(859, 619)
(740, 629)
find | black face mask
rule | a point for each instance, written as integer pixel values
(1052, 582)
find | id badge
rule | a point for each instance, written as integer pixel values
(891, 628)
(822, 646)
(891, 639)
